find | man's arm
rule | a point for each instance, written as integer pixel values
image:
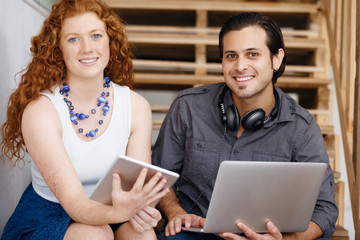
(169, 205)
(311, 148)
(176, 215)
(313, 232)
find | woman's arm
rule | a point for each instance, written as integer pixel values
(139, 145)
(41, 129)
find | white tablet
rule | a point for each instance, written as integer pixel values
(129, 170)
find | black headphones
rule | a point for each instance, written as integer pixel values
(253, 120)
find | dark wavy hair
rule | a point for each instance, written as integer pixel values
(47, 66)
(274, 35)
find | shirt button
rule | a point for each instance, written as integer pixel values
(236, 152)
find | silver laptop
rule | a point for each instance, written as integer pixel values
(256, 192)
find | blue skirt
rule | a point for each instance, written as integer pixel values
(36, 218)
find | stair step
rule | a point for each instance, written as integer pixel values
(340, 233)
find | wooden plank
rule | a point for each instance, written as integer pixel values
(173, 39)
(324, 101)
(160, 108)
(212, 40)
(166, 65)
(356, 136)
(226, 6)
(190, 79)
(348, 56)
(327, 129)
(302, 82)
(340, 233)
(332, 144)
(175, 79)
(322, 55)
(339, 199)
(200, 49)
(341, 24)
(287, 32)
(157, 123)
(319, 112)
(335, 48)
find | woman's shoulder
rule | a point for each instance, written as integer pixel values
(40, 104)
(138, 101)
(40, 113)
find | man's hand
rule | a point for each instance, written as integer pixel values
(188, 220)
(273, 233)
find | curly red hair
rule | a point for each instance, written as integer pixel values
(47, 66)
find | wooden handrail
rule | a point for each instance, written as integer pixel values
(342, 19)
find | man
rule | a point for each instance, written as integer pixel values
(247, 118)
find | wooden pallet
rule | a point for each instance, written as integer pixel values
(172, 37)
(175, 44)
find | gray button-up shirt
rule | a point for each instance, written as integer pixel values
(192, 143)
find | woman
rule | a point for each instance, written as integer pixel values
(73, 112)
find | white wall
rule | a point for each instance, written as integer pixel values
(19, 22)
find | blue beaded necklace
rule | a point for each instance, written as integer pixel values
(75, 117)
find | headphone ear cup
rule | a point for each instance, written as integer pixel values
(232, 118)
(254, 119)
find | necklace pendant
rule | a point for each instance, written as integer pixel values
(101, 99)
(74, 117)
(106, 108)
(92, 133)
(82, 116)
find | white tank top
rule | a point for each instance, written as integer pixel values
(90, 159)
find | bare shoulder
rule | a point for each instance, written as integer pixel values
(138, 102)
(38, 106)
(40, 113)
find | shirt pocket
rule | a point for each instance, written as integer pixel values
(201, 160)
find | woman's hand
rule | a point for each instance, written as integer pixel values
(126, 204)
(145, 219)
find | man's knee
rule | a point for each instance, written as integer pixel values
(180, 236)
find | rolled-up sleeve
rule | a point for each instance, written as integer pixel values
(310, 147)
